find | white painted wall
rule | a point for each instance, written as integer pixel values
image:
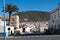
(42, 29)
(8, 32)
(2, 28)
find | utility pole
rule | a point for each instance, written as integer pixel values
(4, 21)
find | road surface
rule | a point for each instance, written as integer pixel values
(41, 37)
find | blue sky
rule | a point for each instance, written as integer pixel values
(32, 5)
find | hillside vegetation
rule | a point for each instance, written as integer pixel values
(34, 16)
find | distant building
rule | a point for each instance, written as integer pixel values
(43, 26)
(55, 18)
(29, 26)
(34, 26)
(14, 20)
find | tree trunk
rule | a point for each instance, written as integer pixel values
(9, 18)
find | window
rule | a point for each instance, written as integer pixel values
(23, 29)
(13, 20)
(8, 28)
(51, 16)
(55, 16)
(58, 14)
(7, 24)
(7, 19)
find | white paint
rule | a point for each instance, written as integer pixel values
(9, 31)
(2, 28)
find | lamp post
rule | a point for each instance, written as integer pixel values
(4, 22)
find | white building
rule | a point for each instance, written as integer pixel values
(31, 27)
(55, 18)
(8, 31)
(43, 26)
(2, 27)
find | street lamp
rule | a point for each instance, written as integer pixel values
(4, 23)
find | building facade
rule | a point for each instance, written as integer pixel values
(9, 29)
(55, 18)
(34, 26)
(14, 21)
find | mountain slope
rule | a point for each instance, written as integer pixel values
(34, 16)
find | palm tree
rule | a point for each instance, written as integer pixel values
(10, 8)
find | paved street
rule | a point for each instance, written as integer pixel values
(42, 37)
